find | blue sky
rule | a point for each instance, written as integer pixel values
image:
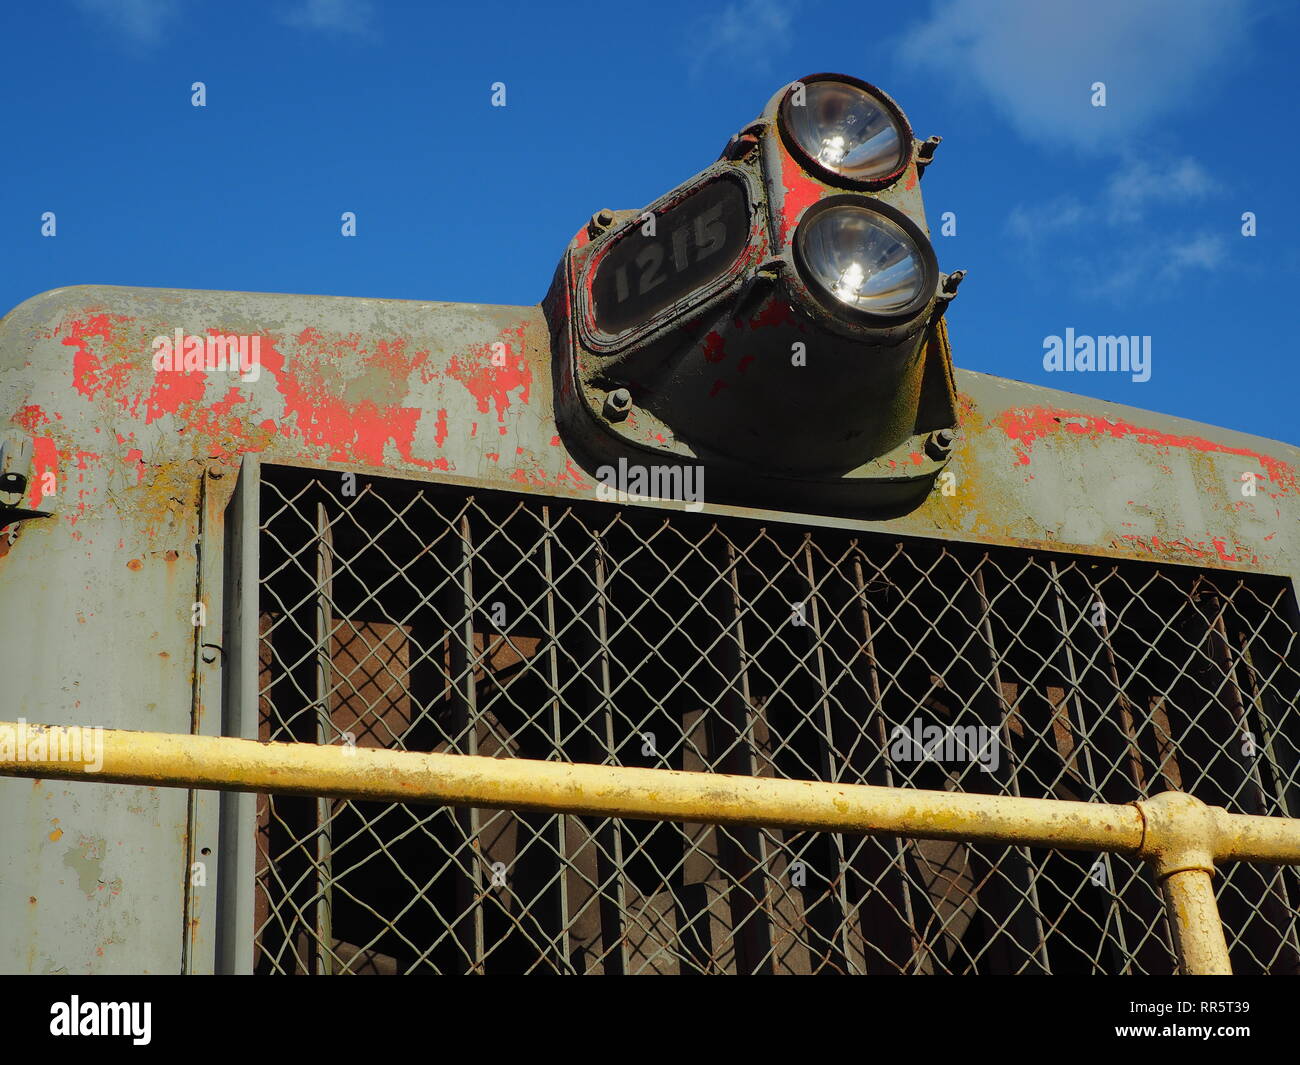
(1117, 220)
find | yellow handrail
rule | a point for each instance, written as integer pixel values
(1178, 835)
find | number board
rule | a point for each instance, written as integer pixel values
(695, 242)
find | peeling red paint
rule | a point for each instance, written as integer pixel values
(136, 456)
(576, 476)
(1026, 425)
(778, 312)
(440, 427)
(45, 459)
(718, 386)
(90, 375)
(713, 347)
(1185, 545)
(489, 384)
(358, 431)
(801, 191)
(30, 418)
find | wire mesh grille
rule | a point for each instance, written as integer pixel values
(417, 617)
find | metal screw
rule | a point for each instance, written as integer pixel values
(617, 404)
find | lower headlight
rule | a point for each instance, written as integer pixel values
(867, 258)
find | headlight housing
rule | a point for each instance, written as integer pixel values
(867, 259)
(845, 130)
(777, 318)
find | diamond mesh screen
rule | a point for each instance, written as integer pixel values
(418, 617)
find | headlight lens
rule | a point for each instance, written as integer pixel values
(865, 260)
(846, 130)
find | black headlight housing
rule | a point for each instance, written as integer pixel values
(776, 321)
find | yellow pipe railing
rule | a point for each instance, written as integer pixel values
(1178, 835)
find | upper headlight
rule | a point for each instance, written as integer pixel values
(866, 257)
(846, 129)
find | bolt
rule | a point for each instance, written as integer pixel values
(925, 153)
(600, 221)
(617, 404)
(940, 443)
(12, 482)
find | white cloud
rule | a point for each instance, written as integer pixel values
(1139, 269)
(142, 21)
(1135, 187)
(1128, 197)
(1115, 254)
(332, 16)
(745, 29)
(1030, 223)
(1036, 60)
(1206, 251)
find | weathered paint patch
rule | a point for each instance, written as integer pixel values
(95, 371)
(801, 191)
(357, 431)
(489, 384)
(45, 459)
(1026, 425)
(778, 312)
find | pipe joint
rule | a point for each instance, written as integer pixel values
(1179, 833)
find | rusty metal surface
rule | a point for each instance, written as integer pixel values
(98, 598)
